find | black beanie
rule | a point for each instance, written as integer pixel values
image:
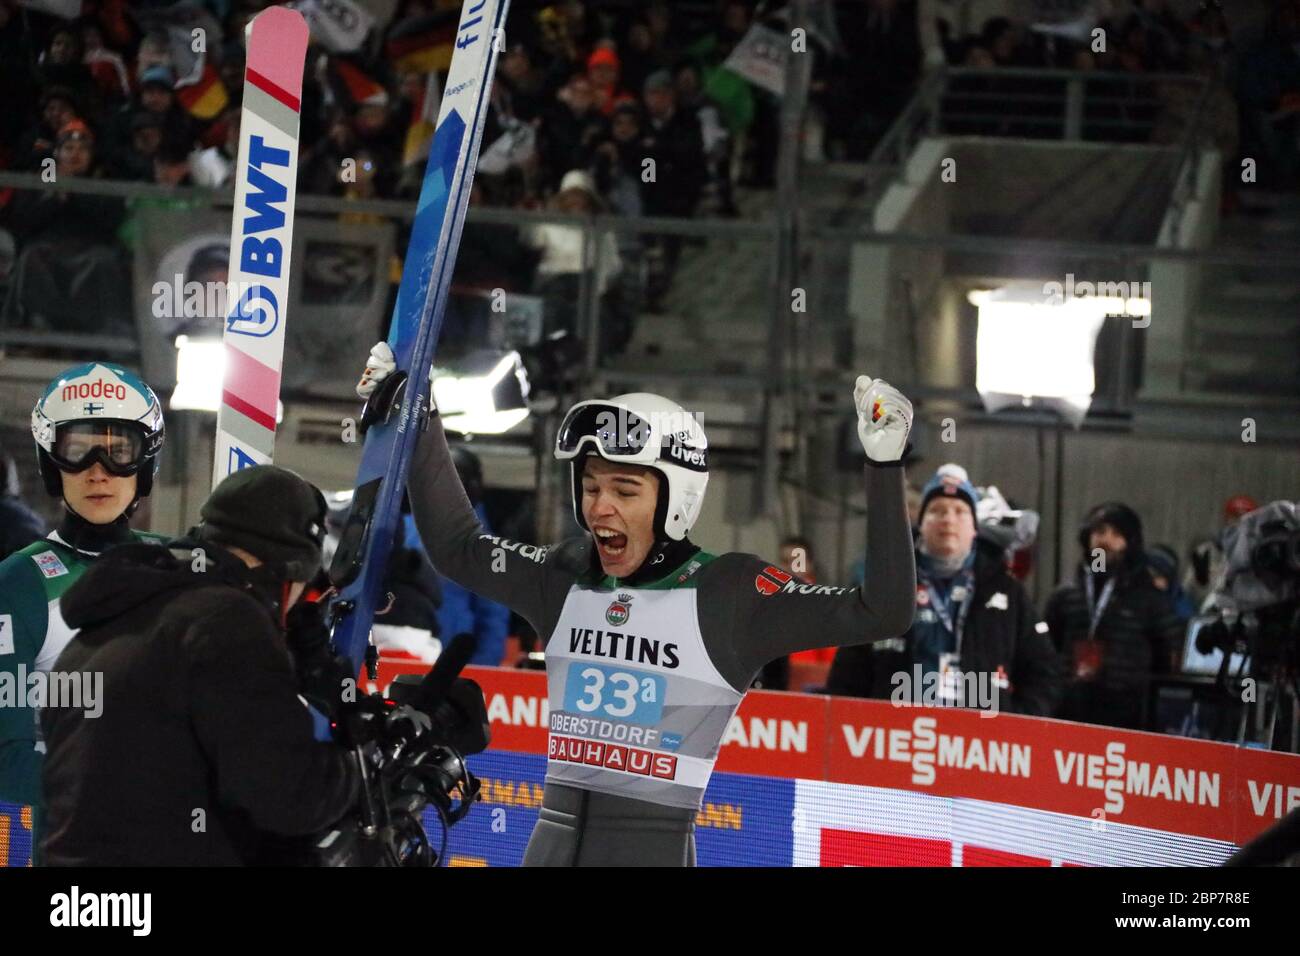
(272, 514)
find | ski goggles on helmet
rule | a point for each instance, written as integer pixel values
(617, 434)
(118, 446)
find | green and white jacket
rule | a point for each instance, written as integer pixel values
(32, 636)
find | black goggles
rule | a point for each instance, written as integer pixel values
(620, 434)
(118, 446)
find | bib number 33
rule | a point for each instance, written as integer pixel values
(623, 695)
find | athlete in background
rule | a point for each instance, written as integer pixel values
(650, 641)
(98, 431)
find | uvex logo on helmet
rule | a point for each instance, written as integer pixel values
(690, 456)
(98, 389)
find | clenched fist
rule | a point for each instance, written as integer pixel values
(884, 418)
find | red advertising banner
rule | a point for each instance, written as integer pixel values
(1209, 790)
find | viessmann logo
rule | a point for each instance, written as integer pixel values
(99, 389)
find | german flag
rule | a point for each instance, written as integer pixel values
(354, 85)
(206, 98)
(423, 44)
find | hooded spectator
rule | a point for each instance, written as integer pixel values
(1112, 627)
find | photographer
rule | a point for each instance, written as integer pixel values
(202, 753)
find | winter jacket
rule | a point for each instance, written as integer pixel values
(1136, 632)
(201, 753)
(999, 639)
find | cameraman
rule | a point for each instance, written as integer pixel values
(202, 753)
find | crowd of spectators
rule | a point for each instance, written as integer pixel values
(1121, 624)
(597, 107)
(611, 106)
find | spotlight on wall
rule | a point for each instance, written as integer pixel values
(485, 393)
(1036, 349)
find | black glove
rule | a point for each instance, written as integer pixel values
(324, 679)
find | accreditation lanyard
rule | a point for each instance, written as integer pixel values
(1096, 606)
(962, 594)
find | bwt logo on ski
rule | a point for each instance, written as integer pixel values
(240, 459)
(99, 389)
(257, 312)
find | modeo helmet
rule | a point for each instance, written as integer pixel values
(641, 429)
(86, 403)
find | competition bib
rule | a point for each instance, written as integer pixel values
(637, 708)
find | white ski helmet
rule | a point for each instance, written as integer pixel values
(97, 399)
(640, 428)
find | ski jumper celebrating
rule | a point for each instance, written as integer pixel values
(650, 641)
(98, 430)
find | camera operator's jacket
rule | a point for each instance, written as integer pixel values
(1000, 639)
(201, 753)
(645, 674)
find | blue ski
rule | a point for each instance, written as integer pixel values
(367, 538)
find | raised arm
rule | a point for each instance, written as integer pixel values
(514, 574)
(770, 614)
(754, 613)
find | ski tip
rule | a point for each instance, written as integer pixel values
(277, 46)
